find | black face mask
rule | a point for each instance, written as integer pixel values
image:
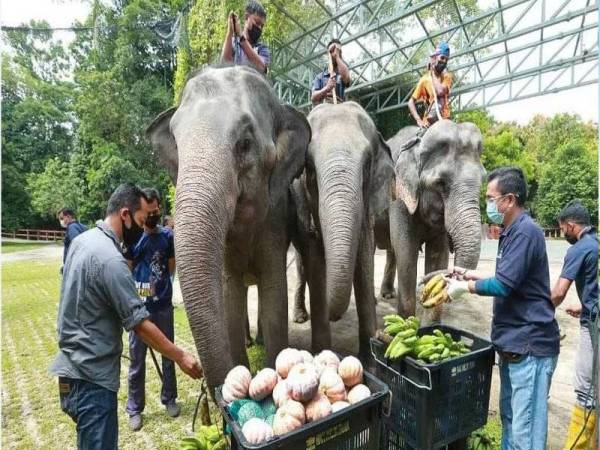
(441, 66)
(254, 34)
(152, 221)
(131, 235)
(570, 239)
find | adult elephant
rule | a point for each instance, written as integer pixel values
(437, 188)
(233, 151)
(348, 180)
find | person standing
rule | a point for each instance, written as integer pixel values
(73, 228)
(524, 331)
(152, 260)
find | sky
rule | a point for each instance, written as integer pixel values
(61, 13)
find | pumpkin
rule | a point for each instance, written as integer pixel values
(236, 384)
(332, 386)
(318, 408)
(288, 418)
(351, 371)
(338, 406)
(287, 359)
(281, 393)
(257, 431)
(358, 393)
(303, 382)
(268, 407)
(262, 384)
(326, 359)
(306, 356)
(248, 411)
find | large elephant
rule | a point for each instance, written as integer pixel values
(437, 188)
(233, 151)
(348, 179)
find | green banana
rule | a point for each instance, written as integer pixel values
(393, 318)
(410, 341)
(394, 328)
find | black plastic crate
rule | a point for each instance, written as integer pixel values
(435, 404)
(356, 427)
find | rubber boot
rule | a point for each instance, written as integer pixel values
(587, 438)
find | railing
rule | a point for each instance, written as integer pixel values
(493, 232)
(34, 235)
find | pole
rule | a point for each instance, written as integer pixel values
(331, 75)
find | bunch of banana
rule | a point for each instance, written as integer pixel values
(480, 440)
(208, 438)
(403, 333)
(435, 293)
(438, 347)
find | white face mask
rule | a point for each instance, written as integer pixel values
(63, 223)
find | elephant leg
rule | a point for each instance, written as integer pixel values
(260, 340)
(405, 242)
(248, 335)
(436, 258)
(236, 312)
(389, 274)
(300, 313)
(364, 294)
(272, 296)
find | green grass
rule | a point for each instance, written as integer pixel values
(12, 247)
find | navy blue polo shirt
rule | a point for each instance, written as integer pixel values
(151, 255)
(321, 81)
(581, 266)
(524, 321)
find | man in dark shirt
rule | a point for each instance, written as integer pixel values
(98, 299)
(524, 330)
(581, 266)
(73, 228)
(152, 259)
(324, 83)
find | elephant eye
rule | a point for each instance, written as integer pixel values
(244, 145)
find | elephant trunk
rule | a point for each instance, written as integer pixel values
(340, 213)
(463, 223)
(202, 202)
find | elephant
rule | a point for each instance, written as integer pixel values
(233, 150)
(438, 183)
(348, 180)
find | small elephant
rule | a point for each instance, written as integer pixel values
(233, 151)
(438, 184)
(348, 179)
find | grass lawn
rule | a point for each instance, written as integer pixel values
(11, 247)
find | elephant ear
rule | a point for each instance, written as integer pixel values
(164, 143)
(382, 178)
(292, 136)
(407, 179)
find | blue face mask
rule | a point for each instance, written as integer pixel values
(492, 212)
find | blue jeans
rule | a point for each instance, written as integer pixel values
(524, 388)
(94, 410)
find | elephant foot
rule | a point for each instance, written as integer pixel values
(300, 315)
(249, 342)
(388, 293)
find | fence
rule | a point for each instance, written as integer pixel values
(34, 235)
(493, 232)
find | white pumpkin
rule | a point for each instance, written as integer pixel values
(306, 357)
(289, 417)
(332, 386)
(257, 431)
(338, 406)
(287, 358)
(303, 382)
(358, 393)
(236, 384)
(326, 359)
(262, 384)
(351, 371)
(318, 408)
(281, 393)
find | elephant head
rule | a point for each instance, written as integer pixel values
(350, 179)
(232, 149)
(440, 180)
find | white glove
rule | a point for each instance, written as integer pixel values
(457, 289)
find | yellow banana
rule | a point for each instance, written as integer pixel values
(431, 284)
(434, 300)
(438, 287)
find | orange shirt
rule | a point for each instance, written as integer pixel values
(424, 92)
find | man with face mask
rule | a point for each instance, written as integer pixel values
(324, 83)
(433, 89)
(152, 260)
(98, 299)
(524, 331)
(73, 228)
(581, 266)
(243, 47)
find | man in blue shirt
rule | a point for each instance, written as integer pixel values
(524, 330)
(242, 47)
(73, 228)
(324, 83)
(152, 260)
(581, 266)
